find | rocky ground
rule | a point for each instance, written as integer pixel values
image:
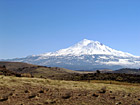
(35, 91)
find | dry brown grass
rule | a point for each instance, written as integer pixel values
(39, 91)
(93, 85)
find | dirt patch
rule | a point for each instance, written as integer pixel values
(65, 97)
(33, 92)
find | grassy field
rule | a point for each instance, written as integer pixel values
(26, 84)
(37, 91)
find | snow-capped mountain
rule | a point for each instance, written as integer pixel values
(85, 55)
(87, 47)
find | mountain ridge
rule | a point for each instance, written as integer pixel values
(85, 55)
(87, 47)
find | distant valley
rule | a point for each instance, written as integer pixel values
(28, 70)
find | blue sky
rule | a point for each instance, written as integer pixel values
(37, 26)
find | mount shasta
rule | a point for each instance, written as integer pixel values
(85, 55)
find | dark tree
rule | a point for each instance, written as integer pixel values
(4, 66)
(98, 71)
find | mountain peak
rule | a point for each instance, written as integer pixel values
(87, 47)
(85, 42)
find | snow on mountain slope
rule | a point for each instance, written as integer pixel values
(85, 55)
(87, 47)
